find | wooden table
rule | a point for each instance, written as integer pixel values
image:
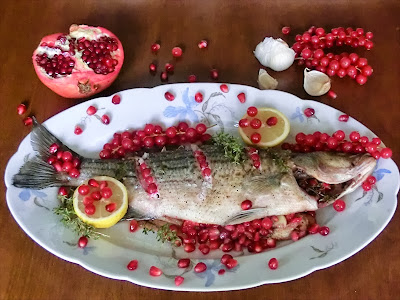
(233, 28)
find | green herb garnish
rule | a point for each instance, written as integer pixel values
(164, 233)
(233, 148)
(280, 159)
(71, 220)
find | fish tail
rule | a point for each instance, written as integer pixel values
(36, 173)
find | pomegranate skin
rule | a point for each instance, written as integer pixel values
(83, 81)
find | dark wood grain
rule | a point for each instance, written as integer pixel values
(233, 28)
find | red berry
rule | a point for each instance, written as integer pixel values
(84, 189)
(231, 263)
(272, 121)
(171, 132)
(214, 74)
(90, 209)
(313, 229)
(155, 47)
(224, 88)
(154, 271)
(255, 123)
(198, 97)
(82, 242)
(286, 30)
(273, 264)
(105, 119)
(386, 153)
(369, 45)
(362, 62)
(306, 53)
(133, 264)
(200, 267)
(87, 200)
(169, 96)
(255, 138)
(93, 183)
(366, 186)
(332, 143)
(309, 112)
(91, 110)
(201, 128)
(354, 136)
(106, 192)
(252, 111)
(192, 78)
(246, 204)
(179, 280)
(243, 123)
(62, 191)
(202, 44)
(183, 263)
(153, 68)
(371, 180)
(164, 76)
(169, 68)
(133, 225)
(376, 141)
(361, 79)
(111, 207)
(177, 52)
(78, 130)
(116, 99)
(339, 135)
(324, 230)
(28, 121)
(367, 70)
(300, 137)
(21, 109)
(242, 97)
(343, 118)
(332, 94)
(339, 205)
(183, 126)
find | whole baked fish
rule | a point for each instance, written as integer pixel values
(284, 183)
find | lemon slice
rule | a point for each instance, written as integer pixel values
(271, 135)
(108, 210)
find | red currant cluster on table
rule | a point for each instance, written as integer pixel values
(63, 161)
(153, 136)
(318, 141)
(177, 54)
(310, 48)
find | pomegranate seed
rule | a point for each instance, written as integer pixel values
(78, 130)
(202, 44)
(54, 148)
(90, 209)
(214, 74)
(116, 99)
(366, 186)
(189, 248)
(221, 272)
(243, 123)
(255, 138)
(324, 230)
(309, 112)
(204, 249)
(294, 236)
(246, 204)
(28, 121)
(111, 207)
(371, 180)
(242, 97)
(206, 172)
(273, 264)
(286, 30)
(231, 263)
(91, 110)
(224, 88)
(339, 205)
(84, 189)
(386, 153)
(183, 263)
(198, 97)
(93, 183)
(87, 200)
(133, 225)
(179, 280)
(105, 119)
(169, 96)
(252, 111)
(332, 94)
(154, 271)
(255, 123)
(272, 121)
(153, 68)
(21, 109)
(225, 258)
(177, 52)
(62, 191)
(133, 264)
(155, 47)
(192, 78)
(200, 267)
(96, 195)
(82, 242)
(343, 118)
(313, 229)
(169, 68)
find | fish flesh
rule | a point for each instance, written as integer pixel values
(280, 186)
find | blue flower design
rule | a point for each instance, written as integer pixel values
(26, 194)
(213, 267)
(183, 112)
(87, 250)
(297, 114)
(379, 173)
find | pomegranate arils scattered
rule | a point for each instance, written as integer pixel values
(91, 110)
(152, 68)
(105, 119)
(192, 78)
(221, 272)
(28, 121)
(324, 230)
(309, 112)
(179, 280)
(242, 97)
(111, 207)
(155, 47)
(62, 191)
(343, 118)
(200, 267)
(224, 88)
(183, 263)
(272, 121)
(133, 225)
(82, 242)
(116, 99)
(21, 109)
(332, 94)
(164, 76)
(273, 264)
(132, 265)
(177, 52)
(169, 68)
(252, 111)
(339, 205)
(202, 44)
(78, 130)
(286, 30)
(246, 204)
(198, 97)
(154, 271)
(214, 74)
(169, 96)
(90, 209)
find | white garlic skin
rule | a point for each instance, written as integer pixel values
(316, 83)
(274, 54)
(266, 81)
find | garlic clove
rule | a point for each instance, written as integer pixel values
(316, 83)
(266, 81)
(274, 54)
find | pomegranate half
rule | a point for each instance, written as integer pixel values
(79, 64)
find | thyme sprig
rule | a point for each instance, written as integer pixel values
(71, 220)
(232, 146)
(164, 233)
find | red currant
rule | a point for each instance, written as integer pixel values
(339, 205)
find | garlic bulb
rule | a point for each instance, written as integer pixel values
(316, 83)
(274, 54)
(266, 81)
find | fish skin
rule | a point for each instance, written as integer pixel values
(184, 194)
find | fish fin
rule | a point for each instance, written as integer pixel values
(262, 184)
(42, 139)
(244, 216)
(37, 174)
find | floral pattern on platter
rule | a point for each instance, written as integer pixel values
(322, 253)
(298, 114)
(86, 250)
(213, 266)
